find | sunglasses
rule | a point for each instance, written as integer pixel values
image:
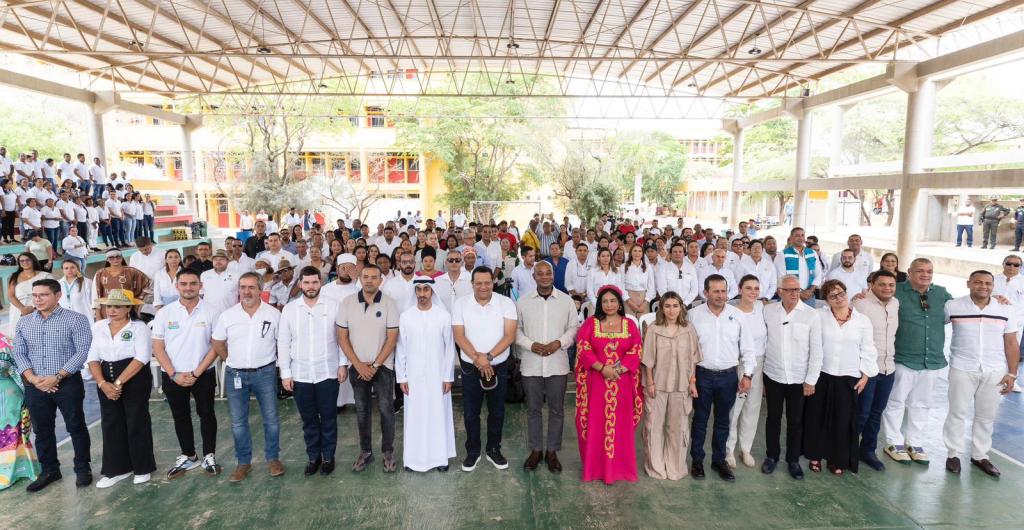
(924, 302)
(1011, 264)
(454, 260)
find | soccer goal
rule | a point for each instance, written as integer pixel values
(520, 211)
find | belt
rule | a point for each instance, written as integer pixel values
(271, 363)
(716, 372)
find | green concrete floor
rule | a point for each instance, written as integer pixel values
(902, 497)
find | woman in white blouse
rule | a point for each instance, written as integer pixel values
(849, 359)
(638, 278)
(118, 359)
(747, 410)
(164, 290)
(604, 273)
(76, 290)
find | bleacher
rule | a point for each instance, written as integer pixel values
(169, 215)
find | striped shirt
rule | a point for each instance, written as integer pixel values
(49, 345)
(977, 343)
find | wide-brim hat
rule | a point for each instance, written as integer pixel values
(122, 297)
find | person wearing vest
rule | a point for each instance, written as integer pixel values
(801, 261)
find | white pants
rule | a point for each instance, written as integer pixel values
(746, 412)
(911, 391)
(976, 392)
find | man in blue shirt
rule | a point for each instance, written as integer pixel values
(50, 348)
(558, 264)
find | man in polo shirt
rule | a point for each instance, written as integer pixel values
(181, 344)
(245, 337)
(484, 326)
(919, 358)
(367, 333)
(220, 286)
(984, 354)
(547, 323)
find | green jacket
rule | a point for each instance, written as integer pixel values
(921, 335)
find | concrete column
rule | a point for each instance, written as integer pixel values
(835, 159)
(97, 143)
(918, 137)
(188, 164)
(737, 176)
(803, 166)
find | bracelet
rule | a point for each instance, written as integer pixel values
(1012, 376)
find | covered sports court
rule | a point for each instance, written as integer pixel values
(614, 59)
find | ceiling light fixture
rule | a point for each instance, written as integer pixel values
(754, 50)
(262, 49)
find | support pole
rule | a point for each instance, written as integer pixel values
(918, 137)
(737, 176)
(803, 166)
(835, 159)
(97, 142)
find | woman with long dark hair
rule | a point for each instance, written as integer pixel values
(76, 290)
(19, 286)
(164, 290)
(891, 262)
(638, 279)
(609, 402)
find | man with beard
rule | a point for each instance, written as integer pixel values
(423, 365)
(345, 284)
(310, 362)
(400, 287)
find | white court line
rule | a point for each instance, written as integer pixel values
(1008, 457)
(87, 427)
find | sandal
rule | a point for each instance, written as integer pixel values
(835, 470)
(815, 466)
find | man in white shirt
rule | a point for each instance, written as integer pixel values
(983, 360)
(759, 265)
(440, 219)
(246, 222)
(882, 308)
(31, 217)
(460, 219)
(862, 261)
(245, 338)
(400, 287)
(345, 285)
(677, 275)
(522, 274)
(1011, 285)
(220, 286)
(484, 326)
(238, 262)
(98, 176)
(719, 267)
(488, 249)
(66, 169)
(149, 259)
(51, 216)
(80, 169)
(292, 218)
(388, 243)
(453, 284)
(724, 345)
(274, 253)
(965, 223)
(854, 280)
(24, 168)
(578, 270)
(6, 166)
(182, 332)
(546, 326)
(310, 363)
(793, 357)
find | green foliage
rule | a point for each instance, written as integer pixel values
(657, 156)
(580, 179)
(973, 115)
(50, 125)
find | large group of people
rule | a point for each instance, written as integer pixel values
(668, 327)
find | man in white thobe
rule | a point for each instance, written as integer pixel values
(424, 368)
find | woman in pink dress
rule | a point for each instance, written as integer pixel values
(609, 401)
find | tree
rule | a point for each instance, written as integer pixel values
(580, 179)
(42, 123)
(972, 115)
(484, 143)
(353, 202)
(656, 156)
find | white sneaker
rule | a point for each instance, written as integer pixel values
(181, 465)
(210, 465)
(107, 482)
(141, 479)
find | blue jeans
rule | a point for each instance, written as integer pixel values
(129, 230)
(147, 227)
(472, 402)
(960, 229)
(53, 234)
(85, 186)
(261, 383)
(107, 233)
(42, 406)
(318, 408)
(97, 191)
(872, 404)
(117, 231)
(1018, 235)
(714, 389)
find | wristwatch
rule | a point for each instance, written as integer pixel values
(59, 377)
(489, 357)
(374, 365)
(117, 383)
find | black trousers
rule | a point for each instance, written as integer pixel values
(383, 383)
(178, 398)
(8, 225)
(42, 406)
(127, 427)
(790, 397)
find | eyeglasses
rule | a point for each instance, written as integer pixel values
(924, 301)
(788, 290)
(1012, 264)
(838, 295)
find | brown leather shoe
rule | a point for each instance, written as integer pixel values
(988, 467)
(953, 465)
(240, 473)
(276, 468)
(533, 460)
(554, 465)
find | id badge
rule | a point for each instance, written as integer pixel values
(238, 382)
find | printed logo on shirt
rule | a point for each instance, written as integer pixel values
(127, 335)
(171, 324)
(378, 314)
(200, 324)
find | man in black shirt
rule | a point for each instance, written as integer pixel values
(257, 242)
(203, 262)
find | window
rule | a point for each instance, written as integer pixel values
(354, 169)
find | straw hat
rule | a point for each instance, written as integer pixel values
(120, 297)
